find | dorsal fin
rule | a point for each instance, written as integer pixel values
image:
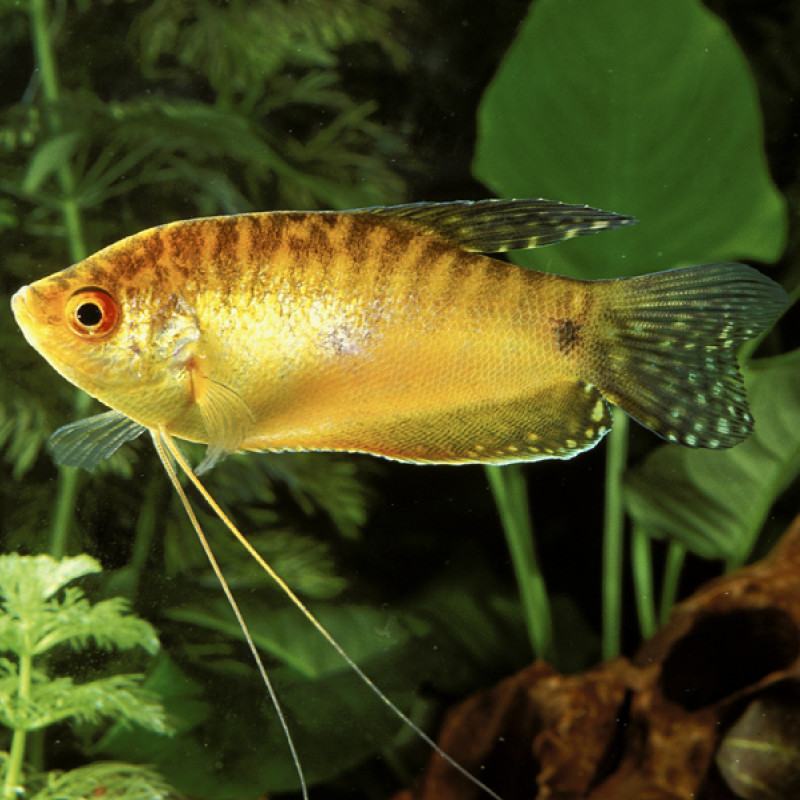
(494, 226)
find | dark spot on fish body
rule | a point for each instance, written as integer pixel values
(403, 273)
(567, 334)
(431, 252)
(297, 244)
(307, 238)
(319, 262)
(258, 242)
(359, 251)
(319, 240)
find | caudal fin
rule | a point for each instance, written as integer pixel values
(667, 349)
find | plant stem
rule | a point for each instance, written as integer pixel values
(145, 532)
(73, 224)
(16, 756)
(510, 495)
(642, 566)
(613, 535)
(672, 574)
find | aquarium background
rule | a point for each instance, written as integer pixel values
(115, 116)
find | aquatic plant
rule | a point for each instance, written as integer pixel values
(677, 143)
(40, 617)
(84, 160)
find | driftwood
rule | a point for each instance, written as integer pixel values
(708, 709)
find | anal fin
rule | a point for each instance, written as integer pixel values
(560, 421)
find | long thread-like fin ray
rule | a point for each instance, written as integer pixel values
(186, 467)
(495, 226)
(164, 447)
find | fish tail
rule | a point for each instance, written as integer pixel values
(666, 349)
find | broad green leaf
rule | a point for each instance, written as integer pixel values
(447, 635)
(643, 107)
(285, 634)
(715, 502)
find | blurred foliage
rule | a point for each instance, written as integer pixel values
(176, 108)
(116, 116)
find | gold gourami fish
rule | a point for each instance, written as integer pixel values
(386, 331)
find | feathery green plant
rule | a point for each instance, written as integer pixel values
(40, 615)
(179, 110)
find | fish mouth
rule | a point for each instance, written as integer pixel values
(19, 304)
(20, 307)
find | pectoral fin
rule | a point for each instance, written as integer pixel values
(87, 442)
(228, 420)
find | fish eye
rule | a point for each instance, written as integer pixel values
(91, 313)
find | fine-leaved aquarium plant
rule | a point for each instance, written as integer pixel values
(217, 108)
(41, 616)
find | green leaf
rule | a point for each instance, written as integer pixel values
(48, 157)
(35, 621)
(284, 633)
(107, 622)
(715, 502)
(449, 636)
(643, 108)
(184, 702)
(27, 582)
(331, 483)
(106, 779)
(120, 698)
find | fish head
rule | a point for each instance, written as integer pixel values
(124, 338)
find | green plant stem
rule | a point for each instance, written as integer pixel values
(510, 495)
(145, 531)
(613, 535)
(642, 565)
(16, 755)
(70, 211)
(672, 574)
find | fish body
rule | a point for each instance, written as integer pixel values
(387, 331)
